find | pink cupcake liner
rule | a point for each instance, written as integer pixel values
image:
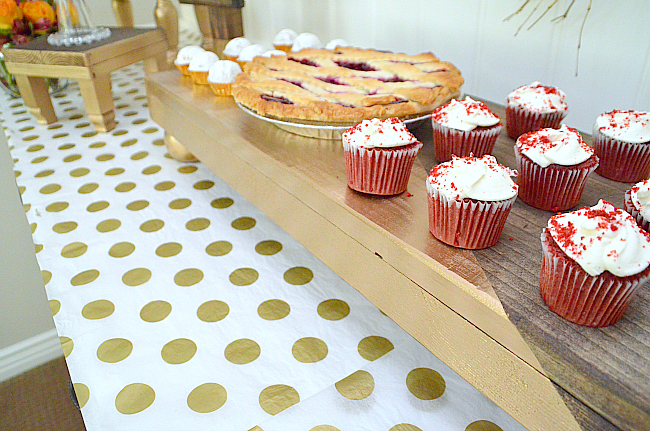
(579, 297)
(520, 120)
(621, 161)
(467, 223)
(553, 188)
(634, 212)
(477, 142)
(379, 171)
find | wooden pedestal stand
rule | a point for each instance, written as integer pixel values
(219, 21)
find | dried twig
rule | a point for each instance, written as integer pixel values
(542, 15)
(517, 11)
(564, 15)
(528, 17)
(582, 27)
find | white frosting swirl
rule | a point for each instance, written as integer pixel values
(602, 238)
(306, 40)
(465, 115)
(285, 36)
(538, 98)
(274, 53)
(563, 146)
(202, 61)
(474, 178)
(336, 42)
(376, 133)
(234, 47)
(223, 72)
(186, 54)
(640, 195)
(627, 126)
(250, 52)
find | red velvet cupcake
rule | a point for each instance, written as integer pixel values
(379, 156)
(464, 128)
(594, 260)
(637, 203)
(469, 201)
(533, 107)
(553, 166)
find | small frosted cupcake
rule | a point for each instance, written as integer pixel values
(306, 40)
(249, 53)
(185, 55)
(637, 203)
(469, 201)
(594, 260)
(200, 66)
(274, 53)
(379, 155)
(533, 107)
(464, 128)
(283, 41)
(622, 142)
(553, 166)
(334, 43)
(221, 76)
(233, 48)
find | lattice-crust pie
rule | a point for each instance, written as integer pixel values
(346, 85)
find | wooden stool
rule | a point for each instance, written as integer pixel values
(91, 64)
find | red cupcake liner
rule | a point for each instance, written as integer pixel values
(634, 212)
(621, 161)
(477, 142)
(467, 223)
(579, 297)
(555, 187)
(520, 120)
(379, 171)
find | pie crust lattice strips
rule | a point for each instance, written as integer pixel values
(346, 85)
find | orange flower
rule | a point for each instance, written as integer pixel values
(36, 10)
(9, 12)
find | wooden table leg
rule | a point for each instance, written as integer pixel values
(157, 63)
(167, 18)
(98, 100)
(36, 97)
(177, 150)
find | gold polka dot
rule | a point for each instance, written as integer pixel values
(169, 249)
(243, 276)
(46, 275)
(21, 189)
(425, 383)
(137, 205)
(60, 135)
(178, 351)
(374, 347)
(121, 249)
(188, 277)
(30, 138)
(197, 224)
(356, 386)
(298, 275)
(150, 129)
(187, 169)
(97, 145)
(72, 158)
(113, 172)
(67, 345)
(81, 125)
(26, 129)
(98, 309)
(82, 393)
(136, 276)
(324, 428)
(45, 173)
(207, 398)
(276, 398)
(268, 248)
(309, 350)
(242, 351)
(129, 142)
(97, 206)
(179, 204)
(56, 207)
(221, 203)
(155, 311)
(66, 147)
(55, 306)
(33, 227)
(152, 225)
(38, 159)
(333, 309)
(273, 309)
(34, 148)
(405, 427)
(76, 116)
(114, 350)
(80, 172)
(483, 426)
(17, 174)
(125, 187)
(134, 398)
(158, 142)
(151, 170)
(38, 247)
(105, 157)
(88, 188)
(84, 277)
(164, 186)
(140, 155)
(27, 207)
(119, 132)
(204, 185)
(74, 249)
(219, 248)
(108, 225)
(244, 223)
(213, 311)
(50, 188)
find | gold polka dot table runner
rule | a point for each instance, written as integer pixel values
(180, 306)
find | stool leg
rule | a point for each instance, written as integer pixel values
(123, 12)
(98, 100)
(157, 63)
(177, 150)
(37, 98)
